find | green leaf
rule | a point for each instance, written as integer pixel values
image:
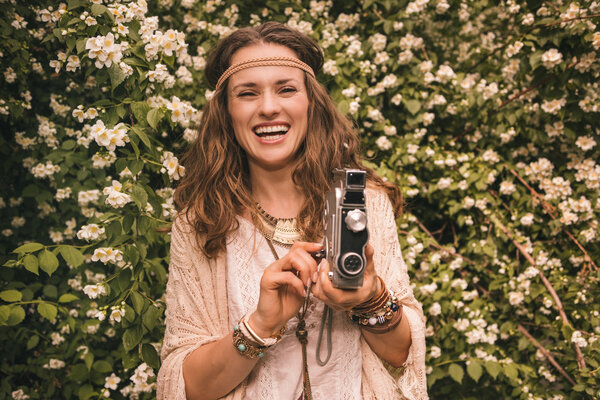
(89, 360)
(142, 135)
(138, 302)
(86, 391)
(493, 368)
(510, 370)
(28, 248)
(71, 255)
(32, 342)
(98, 9)
(474, 370)
(79, 372)
(140, 197)
(17, 314)
(456, 372)
(47, 311)
(11, 295)
(151, 316)
(150, 355)
(116, 75)
(413, 106)
(154, 116)
(67, 298)
(132, 337)
(31, 263)
(102, 366)
(140, 110)
(48, 262)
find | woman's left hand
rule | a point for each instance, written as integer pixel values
(344, 300)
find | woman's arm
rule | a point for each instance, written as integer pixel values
(199, 359)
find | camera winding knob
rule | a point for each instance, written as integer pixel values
(356, 220)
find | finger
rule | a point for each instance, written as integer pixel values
(369, 252)
(288, 278)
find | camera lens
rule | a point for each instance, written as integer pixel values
(351, 263)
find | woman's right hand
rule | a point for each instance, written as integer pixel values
(283, 289)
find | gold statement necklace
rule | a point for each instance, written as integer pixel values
(282, 231)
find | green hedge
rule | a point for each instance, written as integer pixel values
(485, 115)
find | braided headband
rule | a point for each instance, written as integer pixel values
(264, 62)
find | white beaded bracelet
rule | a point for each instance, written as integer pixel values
(249, 332)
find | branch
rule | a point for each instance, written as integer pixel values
(549, 208)
(439, 247)
(547, 284)
(546, 354)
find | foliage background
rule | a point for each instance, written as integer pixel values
(484, 113)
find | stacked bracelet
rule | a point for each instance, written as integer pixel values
(380, 314)
(248, 343)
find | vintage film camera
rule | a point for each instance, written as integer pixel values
(346, 232)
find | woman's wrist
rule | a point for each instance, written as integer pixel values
(257, 325)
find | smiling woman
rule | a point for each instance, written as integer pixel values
(268, 106)
(250, 214)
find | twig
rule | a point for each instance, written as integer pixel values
(545, 353)
(549, 208)
(564, 21)
(547, 284)
(439, 247)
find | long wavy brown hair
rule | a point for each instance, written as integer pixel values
(216, 187)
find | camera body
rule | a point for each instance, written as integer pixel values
(346, 233)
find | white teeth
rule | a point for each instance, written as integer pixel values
(271, 129)
(271, 137)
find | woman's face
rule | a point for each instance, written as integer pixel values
(268, 106)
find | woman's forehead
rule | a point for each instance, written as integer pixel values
(266, 75)
(261, 50)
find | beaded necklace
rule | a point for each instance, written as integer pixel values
(281, 231)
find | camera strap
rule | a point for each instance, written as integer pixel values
(301, 333)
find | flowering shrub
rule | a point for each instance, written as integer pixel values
(485, 114)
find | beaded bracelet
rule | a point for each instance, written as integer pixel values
(245, 347)
(248, 343)
(380, 314)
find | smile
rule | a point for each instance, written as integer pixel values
(273, 132)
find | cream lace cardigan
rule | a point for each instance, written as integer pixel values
(197, 313)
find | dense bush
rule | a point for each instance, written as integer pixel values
(485, 115)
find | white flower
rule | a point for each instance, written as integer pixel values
(57, 338)
(507, 187)
(551, 58)
(428, 289)
(435, 309)
(383, 143)
(115, 197)
(444, 183)
(527, 219)
(553, 106)
(435, 352)
(19, 395)
(578, 339)
(104, 50)
(90, 232)
(330, 67)
(54, 363)
(585, 143)
(378, 42)
(116, 314)
(107, 255)
(112, 381)
(515, 298)
(93, 291)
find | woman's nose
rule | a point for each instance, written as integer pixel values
(269, 104)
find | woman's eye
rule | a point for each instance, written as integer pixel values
(245, 94)
(288, 90)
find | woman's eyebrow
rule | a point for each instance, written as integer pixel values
(253, 84)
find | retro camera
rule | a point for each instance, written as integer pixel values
(346, 232)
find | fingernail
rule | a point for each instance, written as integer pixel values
(307, 282)
(315, 277)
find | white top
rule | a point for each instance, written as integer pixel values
(278, 375)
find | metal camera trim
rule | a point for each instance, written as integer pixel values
(343, 260)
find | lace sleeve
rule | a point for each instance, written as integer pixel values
(196, 310)
(391, 267)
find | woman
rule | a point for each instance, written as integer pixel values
(251, 207)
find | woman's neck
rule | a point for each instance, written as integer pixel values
(276, 192)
